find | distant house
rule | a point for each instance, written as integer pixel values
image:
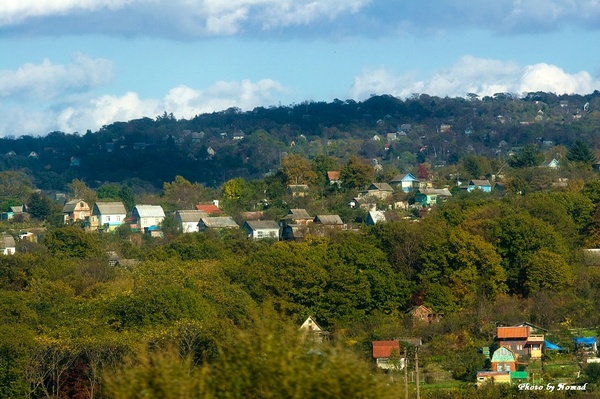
(188, 220)
(296, 216)
(406, 182)
(377, 190)
(147, 216)
(431, 196)
(298, 190)
(493, 377)
(108, 215)
(375, 217)
(210, 209)
(521, 340)
(333, 178)
(387, 355)
(483, 185)
(7, 244)
(423, 314)
(333, 221)
(552, 164)
(76, 209)
(261, 229)
(216, 223)
(504, 359)
(314, 330)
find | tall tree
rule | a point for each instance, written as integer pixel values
(356, 174)
(297, 170)
(581, 153)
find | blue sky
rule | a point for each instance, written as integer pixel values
(73, 65)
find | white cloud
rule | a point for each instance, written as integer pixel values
(182, 101)
(475, 75)
(47, 80)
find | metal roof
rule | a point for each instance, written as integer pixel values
(217, 222)
(383, 349)
(149, 211)
(109, 208)
(262, 225)
(328, 219)
(191, 216)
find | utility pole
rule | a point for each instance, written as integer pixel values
(405, 373)
(417, 370)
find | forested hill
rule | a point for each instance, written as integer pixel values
(213, 148)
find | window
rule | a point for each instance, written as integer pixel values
(118, 218)
(108, 218)
(519, 347)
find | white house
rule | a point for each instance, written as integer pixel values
(188, 220)
(110, 215)
(148, 215)
(7, 244)
(261, 229)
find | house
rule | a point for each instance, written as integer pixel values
(332, 221)
(377, 190)
(188, 220)
(483, 185)
(210, 209)
(405, 181)
(387, 355)
(147, 216)
(521, 340)
(432, 196)
(216, 223)
(375, 217)
(504, 360)
(493, 377)
(75, 210)
(310, 327)
(298, 190)
(553, 164)
(586, 345)
(108, 215)
(422, 313)
(7, 244)
(296, 216)
(261, 229)
(333, 178)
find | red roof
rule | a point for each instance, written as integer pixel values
(383, 349)
(512, 332)
(209, 209)
(333, 175)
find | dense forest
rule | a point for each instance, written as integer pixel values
(215, 314)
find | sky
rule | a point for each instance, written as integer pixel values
(74, 65)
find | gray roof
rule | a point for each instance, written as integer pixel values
(191, 216)
(262, 225)
(149, 211)
(436, 191)
(381, 187)
(71, 205)
(217, 222)
(109, 208)
(328, 219)
(297, 214)
(6, 241)
(480, 182)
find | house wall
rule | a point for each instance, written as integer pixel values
(113, 221)
(149, 221)
(518, 346)
(189, 227)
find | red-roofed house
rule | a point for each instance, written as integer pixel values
(210, 209)
(333, 177)
(387, 355)
(521, 341)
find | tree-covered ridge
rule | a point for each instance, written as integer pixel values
(214, 148)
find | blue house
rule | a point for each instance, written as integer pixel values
(483, 185)
(406, 181)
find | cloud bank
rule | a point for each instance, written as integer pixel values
(469, 74)
(189, 19)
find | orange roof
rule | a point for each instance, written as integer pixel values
(384, 348)
(209, 208)
(333, 175)
(512, 332)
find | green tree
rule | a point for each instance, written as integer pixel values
(297, 170)
(78, 189)
(182, 193)
(579, 152)
(39, 206)
(72, 242)
(528, 157)
(547, 270)
(356, 174)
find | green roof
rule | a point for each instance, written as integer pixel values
(503, 354)
(518, 375)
